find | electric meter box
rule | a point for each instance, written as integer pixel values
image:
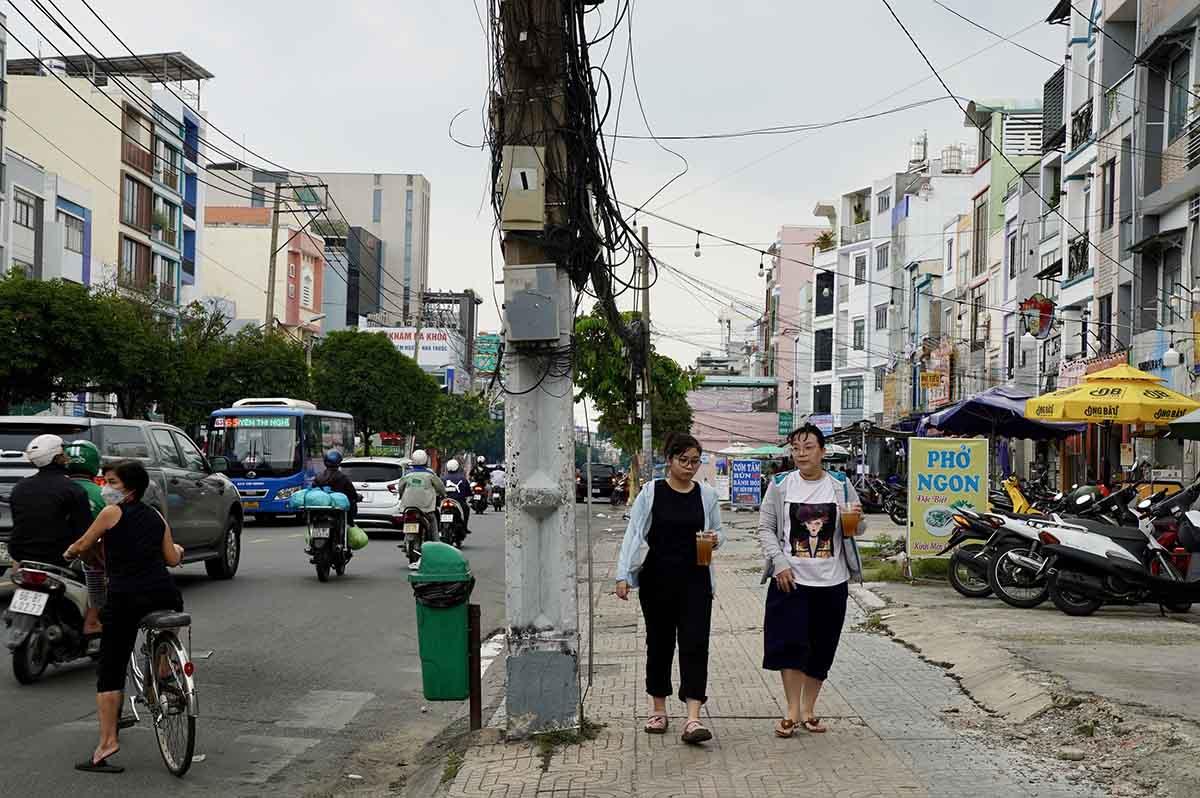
(531, 302)
(521, 188)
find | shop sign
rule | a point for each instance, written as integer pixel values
(1037, 313)
(944, 475)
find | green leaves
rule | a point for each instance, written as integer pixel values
(604, 373)
(361, 373)
(459, 423)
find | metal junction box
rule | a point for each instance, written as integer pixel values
(531, 302)
(522, 188)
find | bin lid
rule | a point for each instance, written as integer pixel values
(441, 562)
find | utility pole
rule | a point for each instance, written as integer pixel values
(411, 440)
(647, 431)
(541, 596)
(270, 317)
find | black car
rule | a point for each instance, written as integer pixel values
(603, 478)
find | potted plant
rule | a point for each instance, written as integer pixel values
(825, 241)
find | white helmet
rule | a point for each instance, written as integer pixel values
(42, 450)
(420, 458)
(481, 459)
(452, 466)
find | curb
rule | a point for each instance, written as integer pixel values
(989, 674)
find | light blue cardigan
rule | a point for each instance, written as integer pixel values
(633, 547)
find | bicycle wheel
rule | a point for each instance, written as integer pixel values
(173, 704)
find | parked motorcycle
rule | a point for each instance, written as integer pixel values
(328, 541)
(497, 498)
(44, 620)
(895, 503)
(1087, 570)
(453, 524)
(418, 529)
(478, 498)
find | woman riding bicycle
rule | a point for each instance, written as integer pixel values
(138, 548)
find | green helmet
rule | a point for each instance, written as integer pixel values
(83, 458)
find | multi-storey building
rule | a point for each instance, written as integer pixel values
(353, 278)
(50, 228)
(787, 275)
(134, 145)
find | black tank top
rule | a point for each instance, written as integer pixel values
(133, 551)
(674, 521)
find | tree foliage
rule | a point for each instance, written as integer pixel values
(605, 374)
(362, 374)
(458, 423)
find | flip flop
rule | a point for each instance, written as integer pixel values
(694, 733)
(785, 728)
(813, 726)
(88, 766)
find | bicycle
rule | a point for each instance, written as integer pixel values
(162, 682)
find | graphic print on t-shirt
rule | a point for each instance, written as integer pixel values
(812, 530)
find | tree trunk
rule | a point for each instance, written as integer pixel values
(366, 433)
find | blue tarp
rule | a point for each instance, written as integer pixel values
(996, 411)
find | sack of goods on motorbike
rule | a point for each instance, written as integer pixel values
(328, 540)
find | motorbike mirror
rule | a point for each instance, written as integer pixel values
(1084, 499)
(1058, 496)
(1193, 517)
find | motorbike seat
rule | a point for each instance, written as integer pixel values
(1108, 530)
(166, 619)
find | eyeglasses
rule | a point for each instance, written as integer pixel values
(693, 462)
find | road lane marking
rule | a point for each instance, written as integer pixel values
(297, 535)
(326, 709)
(261, 540)
(269, 755)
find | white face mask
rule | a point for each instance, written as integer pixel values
(111, 495)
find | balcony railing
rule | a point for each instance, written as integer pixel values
(137, 156)
(1118, 103)
(1077, 255)
(189, 266)
(1051, 224)
(166, 292)
(1054, 127)
(169, 177)
(136, 277)
(189, 209)
(167, 235)
(1081, 124)
(852, 234)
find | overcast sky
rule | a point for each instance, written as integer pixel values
(371, 86)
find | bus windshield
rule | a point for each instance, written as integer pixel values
(267, 446)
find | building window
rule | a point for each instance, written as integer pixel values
(980, 234)
(1105, 326)
(824, 299)
(1025, 254)
(377, 205)
(881, 316)
(880, 375)
(291, 270)
(133, 269)
(1108, 194)
(881, 257)
(852, 393)
(823, 350)
(860, 334)
(860, 269)
(291, 290)
(135, 203)
(24, 209)
(1171, 273)
(822, 399)
(1012, 255)
(72, 232)
(883, 201)
(258, 197)
(1178, 92)
(1010, 355)
(165, 270)
(166, 222)
(980, 325)
(166, 164)
(950, 255)
(306, 291)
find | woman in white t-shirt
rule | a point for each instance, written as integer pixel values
(809, 563)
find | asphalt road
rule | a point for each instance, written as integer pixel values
(300, 674)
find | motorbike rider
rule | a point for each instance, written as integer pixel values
(480, 472)
(336, 480)
(83, 465)
(422, 489)
(50, 510)
(458, 487)
(499, 480)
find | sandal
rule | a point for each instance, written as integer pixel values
(656, 724)
(785, 728)
(695, 733)
(813, 726)
(91, 766)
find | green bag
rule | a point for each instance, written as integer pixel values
(357, 537)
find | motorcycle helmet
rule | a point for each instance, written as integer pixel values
(83, 458)
(42, 450)
(420, 458)
(481, 460)
(333, 458)
(452, 466)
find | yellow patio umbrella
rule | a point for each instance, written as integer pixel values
(1117, 395)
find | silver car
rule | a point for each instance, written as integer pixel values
(377, 480)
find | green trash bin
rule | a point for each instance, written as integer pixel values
(442, 586)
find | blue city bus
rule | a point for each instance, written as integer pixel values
(274, 448)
